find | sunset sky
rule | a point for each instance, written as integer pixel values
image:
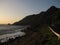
(14, 10)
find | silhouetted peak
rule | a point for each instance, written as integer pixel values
(52, 9)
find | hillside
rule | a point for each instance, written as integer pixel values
(50, 17)
(43, 36)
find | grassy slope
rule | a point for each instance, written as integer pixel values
(43, 36)
(48, 37)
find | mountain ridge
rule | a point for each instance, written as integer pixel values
(49, 17)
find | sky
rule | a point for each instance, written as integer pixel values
(15, 10)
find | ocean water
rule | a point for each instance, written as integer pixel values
(10, 31)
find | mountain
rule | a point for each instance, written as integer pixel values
(49, 17)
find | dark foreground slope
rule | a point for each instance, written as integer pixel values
(39, 33)
(43, 36)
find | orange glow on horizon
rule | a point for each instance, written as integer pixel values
(6, 21)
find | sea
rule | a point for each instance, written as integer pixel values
(10, 31)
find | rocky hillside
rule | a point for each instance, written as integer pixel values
(50, 17)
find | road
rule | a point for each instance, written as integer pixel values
(58, 35)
